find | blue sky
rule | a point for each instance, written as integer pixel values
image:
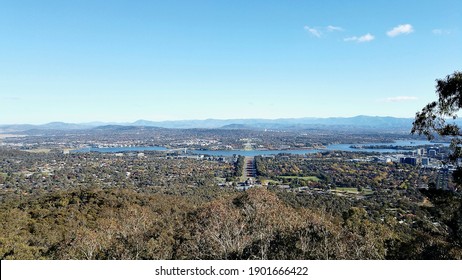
(80, 61)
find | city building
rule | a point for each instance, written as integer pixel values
(426, 161)
(408, 160)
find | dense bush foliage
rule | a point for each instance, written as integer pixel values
(116, 223)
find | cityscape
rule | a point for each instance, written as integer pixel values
(231, 130)
(385, 178)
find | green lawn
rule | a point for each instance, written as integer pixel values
(268, 181)
(305, 178)
(353, 191)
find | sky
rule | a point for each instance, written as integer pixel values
(120, 61)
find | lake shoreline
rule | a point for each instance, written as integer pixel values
(406, 144)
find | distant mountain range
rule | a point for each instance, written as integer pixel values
(358, 121)
(363, 122)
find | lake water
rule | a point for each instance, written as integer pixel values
(333, 147)
(121, 149)
(252, 153)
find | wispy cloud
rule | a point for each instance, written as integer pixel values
(332, 28)
(320, 31)
(362, 39)
(441, 31)
(400, 30)
(313, 31)
(400, 99)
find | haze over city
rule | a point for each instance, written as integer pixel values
(123, 61)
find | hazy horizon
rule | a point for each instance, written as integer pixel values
(198, 120)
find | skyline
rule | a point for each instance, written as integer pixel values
(89, 61)
(214, 123)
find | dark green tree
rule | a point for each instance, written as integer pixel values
(437, 117)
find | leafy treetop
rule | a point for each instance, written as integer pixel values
(435, 117)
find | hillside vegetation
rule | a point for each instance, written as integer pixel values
(116, 223)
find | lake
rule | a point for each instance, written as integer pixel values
(333, 147)
(252, 153)
(120, 149)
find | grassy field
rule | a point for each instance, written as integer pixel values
(35, 151)
(269, 181)
(305, 178)
(353, 191)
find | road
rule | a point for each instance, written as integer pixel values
(249, 170)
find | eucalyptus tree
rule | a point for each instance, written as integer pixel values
(438, 117)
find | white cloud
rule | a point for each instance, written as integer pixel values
(320, 31)
(362, 39)
(332, 28)
(366, 38)
(441, 32)
(400, 99)
(313, 31)
(400, 29)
